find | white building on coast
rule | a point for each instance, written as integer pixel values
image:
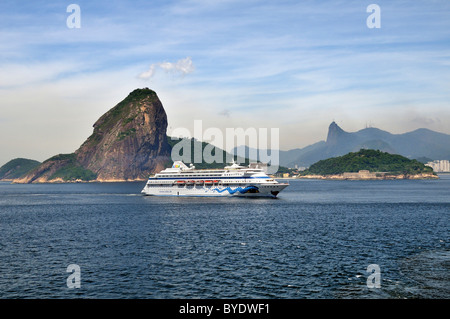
(440, 166)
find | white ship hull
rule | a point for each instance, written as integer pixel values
(195, 190)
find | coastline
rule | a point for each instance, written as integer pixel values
(321, 177)
(61, 181)
(372, 176)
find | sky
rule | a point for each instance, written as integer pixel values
(291, 65)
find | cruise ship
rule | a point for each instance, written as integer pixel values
(233, 180)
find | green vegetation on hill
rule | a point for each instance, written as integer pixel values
(366, 159)
(136, 95)
(119, 113)
(73, 173)
(17, 167)
(122, 135)
(204, 164)
(63, 157)
(424, 159)
(225, 156)
(71, 170)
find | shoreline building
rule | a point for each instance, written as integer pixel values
(439, 166)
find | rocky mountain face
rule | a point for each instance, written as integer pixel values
(335, 134)
(129, 142)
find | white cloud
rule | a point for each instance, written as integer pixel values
(306, 62)
(181, 67)
(149, 73)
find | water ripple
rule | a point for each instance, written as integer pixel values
(300, 246)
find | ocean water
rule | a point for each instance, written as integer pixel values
(315, 241)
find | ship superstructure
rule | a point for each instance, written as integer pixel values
(233, 180)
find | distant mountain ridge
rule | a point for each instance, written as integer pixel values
(416, 144)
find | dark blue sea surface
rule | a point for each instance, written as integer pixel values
(315, 241)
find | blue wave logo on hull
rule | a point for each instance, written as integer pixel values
(239, 189)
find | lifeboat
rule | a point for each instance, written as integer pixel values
(199, 182)
(208, 182)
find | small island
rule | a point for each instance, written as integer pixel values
(16, 168)
(368, 164)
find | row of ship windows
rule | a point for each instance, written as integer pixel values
(192, 186)
(222, 182)
(215, 184)
(209, 175)
(182, 185)
(233, 182)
